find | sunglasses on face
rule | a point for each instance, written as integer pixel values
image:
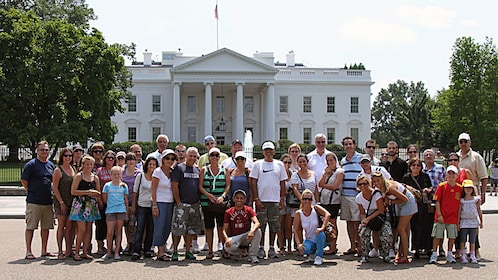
(320, 142)
(180, 151)
(383, 154)
(121, 158)
(43, 150)
(419, 165)
(463, 141)
(362, 184)
(412, 152)
(97, 151)
(287, 162)
(67, 155)
(240, 158)
(371, 147)
(307, 199)
(452, 159)
(214, 155)
(170, 158)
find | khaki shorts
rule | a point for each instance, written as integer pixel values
(112, 217)
(187, 219)
(270, 214)
(42, 214)
(438, 230)
(349, 209)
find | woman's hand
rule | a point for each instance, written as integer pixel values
(211, 198)
(64, 209)
(155, 211)
(300, 248)
(228, 242)
(318, 230)
(220, 199)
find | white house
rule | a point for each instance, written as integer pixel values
(224, 93)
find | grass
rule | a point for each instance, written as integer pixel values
(10, 173)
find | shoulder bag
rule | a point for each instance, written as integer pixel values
(376, 223)
(291, 199)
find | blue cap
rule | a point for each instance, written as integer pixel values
(208, 138)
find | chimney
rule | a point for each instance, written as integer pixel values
(147, 58)
(290, 59)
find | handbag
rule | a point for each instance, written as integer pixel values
(291, 199)
(376, 223)
(334, 196)
(219, 208)
(416, 193)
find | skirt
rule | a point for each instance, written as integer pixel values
(84, 209)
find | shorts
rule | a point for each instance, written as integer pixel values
(470, 232)
(349, 209)
(287, 210)
(210, 217)
(270, 214)
(39, 214)
(494, 182)
(333, 209)
(407, 208)
(112, 217)
(58, 212)
(438, 230)
(187, 219)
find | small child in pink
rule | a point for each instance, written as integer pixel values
(470, 219)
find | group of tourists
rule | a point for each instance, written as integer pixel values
(179, 193)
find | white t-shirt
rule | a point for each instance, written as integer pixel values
(164, 192)
(145, 194)
(364, 202)
(269, 176)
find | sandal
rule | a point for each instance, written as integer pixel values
(209, 256)
(87, 257)
(226, 255)
(61, 256)
(77, 257)
(48, 254)
(29, 257)
(350, 252)
(163, 258)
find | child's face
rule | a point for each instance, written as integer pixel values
(451, 176)
(239, 199)
(116, 175)
(468, 190)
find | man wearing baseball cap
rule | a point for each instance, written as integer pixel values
(230, 162)
(474, 162)
(209, 143)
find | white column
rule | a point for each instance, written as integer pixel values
(176, 113)
(270, 112)
(208, 115)
(239, 113)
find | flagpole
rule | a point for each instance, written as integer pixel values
(217, 20)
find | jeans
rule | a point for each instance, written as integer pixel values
(144, 222)
(163, 223)
(316, 247)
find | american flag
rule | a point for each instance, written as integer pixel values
(216, 12)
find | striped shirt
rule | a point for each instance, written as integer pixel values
(352, 169)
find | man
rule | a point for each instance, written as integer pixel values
(394, 165)
(209, 143)
(37, 180)
(229, 163)
(237, 229)
(187, 220)
(268, 189)
(370, 150)
(316, 158)
(162, 143)
(137, 150)
(474, 162)
(77, 156)
(180, 151)
(436, 171)
(368, 168)
(349, 208)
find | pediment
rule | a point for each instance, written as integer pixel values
(224, 61)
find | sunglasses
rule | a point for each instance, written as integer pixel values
(98, 151)
(67, 155)
(362, 184)
(428, 155)
(210, 143)
(121, 158)
(214, 155)
(43, 150)
(180, 151)
(240, 158)
(377, 174)
(287, 162)
(419, 165)
(320, 142)
(383, 154)
(307, 199)
(170, 158)
(412, 152)
(371, 147)
(453, 159)
(463, 141)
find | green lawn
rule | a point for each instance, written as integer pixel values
(10, 173)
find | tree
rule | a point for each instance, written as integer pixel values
(402, 113)
(62, 83)
(471, 101)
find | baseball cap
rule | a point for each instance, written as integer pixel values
(237, 141)
(121, 154)
(268, 145)
(240, 154)
(468, 183)
(464, 136)
(167, 152)
(452, 168)
(239, 191)
(208, 138)
(214, 150)
(365, 158)
(77, 148)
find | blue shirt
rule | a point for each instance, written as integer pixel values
(352, 169)
(187, 178)
(437, 174)
(115, 198)
(39, 176)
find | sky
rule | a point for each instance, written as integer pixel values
(396, 40)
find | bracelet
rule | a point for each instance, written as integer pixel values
(61, 202)
(154, 207)
(256, 199)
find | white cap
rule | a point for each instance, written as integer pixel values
(452, 168)
(240, 154)
(268, 145)
(464, 136)
(214, 150)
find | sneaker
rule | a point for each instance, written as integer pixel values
(373, 253)
(205, 247)
(433, 258)
(364, 260)
(220, 246)
(149, 254)
(194, 248)
(190, 256)
(170, 250)
(117, 257)
(135, 257)
(126, 250)
(392, 254)
(473, 259)
(318, 260)
(450, 258)
(174, 257)
(272, 253)
(254, 259)
(442, 253)
(261, 253)
(106, 257)
(463, 259)
(311, 258)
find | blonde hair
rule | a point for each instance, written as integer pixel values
(305, 192)
(364, 177)
(385, 184)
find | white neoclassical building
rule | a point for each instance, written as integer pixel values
(224, 93)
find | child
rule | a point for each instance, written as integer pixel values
(447, 198)
(115, 194)
(470, 218)
(493, 168)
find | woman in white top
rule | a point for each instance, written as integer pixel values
(162, 203)
(307, 218)
(304, 179)
(371, 205)
(142, 206)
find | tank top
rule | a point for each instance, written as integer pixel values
(65, 188)
(309, 224)
(213, 184)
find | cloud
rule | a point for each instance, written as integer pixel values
(378, 33)
(470, 22)
(430, 16)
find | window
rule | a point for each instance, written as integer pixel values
(132, 134)
(306, 104)
(248, 104)
(132, 103)
(156, 103)
(355, 132)
(330, 104)
(354, 105)
(307, 135)
(331, 135)
(284, 133)
(220, 104)
(192, 104)
(284, 104)
(155, 132)
(220, 140)
(192, 133)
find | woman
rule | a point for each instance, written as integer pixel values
(128, 176)
(463, 173)
(286, 213)
(330, 196)
(141, 205)
(421, 222)
(371, 205)
(162, 203)
(412, 152)
(395, 193)
(61, 186)
(304, 179)
(294, 150)
(239, 177)
(104, 174)
(214, 186)
(97, 152)
(307, 219)
(84, 208)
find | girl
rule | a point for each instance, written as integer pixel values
(115, 194)
(470, 218)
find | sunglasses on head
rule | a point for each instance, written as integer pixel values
(377, 174)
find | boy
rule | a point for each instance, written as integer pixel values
(447, 198)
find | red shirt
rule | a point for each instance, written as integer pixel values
(462, 175)
(239, 221)
(449, 201)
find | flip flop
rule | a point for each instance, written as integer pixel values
(209, 256)
(77, 257)
(350, 252)
(48, 254)
(164, 258)
(29, 257)
(61, 256)
(87, 257)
